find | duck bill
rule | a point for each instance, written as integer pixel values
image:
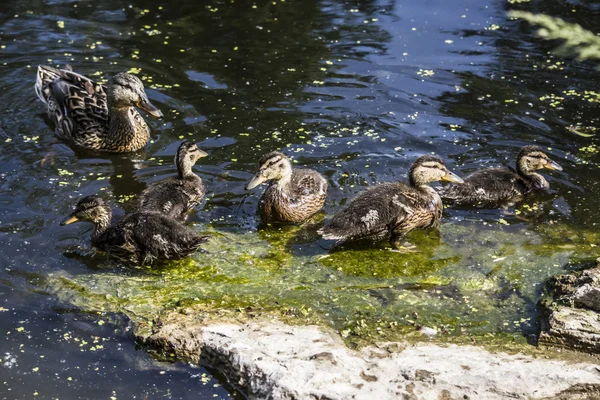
(201, 153)
(69, 220)
(554, 166)
(148, 107)
(257, 180)
(452, 177)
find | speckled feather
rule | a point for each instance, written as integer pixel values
(176, 196)
(488, 186)
(494, 187)
(393, 209)
(294, 201)
(293, 195)
(388, 208)
(79, 108)
(142, 238)
(139, 238)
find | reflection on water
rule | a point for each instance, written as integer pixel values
(354, 90)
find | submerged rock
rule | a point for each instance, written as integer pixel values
(271, 360)
(571, 316)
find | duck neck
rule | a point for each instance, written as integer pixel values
(184, 167)
(121, 120)
(127, 130)
(427, 190)
(101, 224)
(284, 182)
(532, 178)
(412, 182)
(417, 181)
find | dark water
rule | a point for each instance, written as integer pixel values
(356, 90)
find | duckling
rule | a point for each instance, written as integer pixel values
(294, 195)
(393, 209)
(139, 238)
(175, 197)
(503, 186)
(96, 117)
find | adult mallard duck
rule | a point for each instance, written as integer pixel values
(393, 209)
(139, 238)
(294, 195)
(175, 197)
(492, 187)
(93, 116)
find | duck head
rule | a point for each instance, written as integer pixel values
(430, 168)
(90, 208)
(272, 166)
(126, 90)
(533, 158)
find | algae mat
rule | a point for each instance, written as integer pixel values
(469, 280)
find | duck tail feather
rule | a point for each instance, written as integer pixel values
(44, 78)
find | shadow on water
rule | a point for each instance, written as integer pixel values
(355, 90)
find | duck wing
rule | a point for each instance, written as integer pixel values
(119, 242)
(173, 197)
(372, 212)
(161, 238)
(77, 103)
(308, 185)
(486, 186)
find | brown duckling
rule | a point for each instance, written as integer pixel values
(393, 209)
(176, 196)
(493, 187)
(294, 195)
(94, 116)
(139, 238)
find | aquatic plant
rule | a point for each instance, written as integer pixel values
(471, 280)
(578, 41)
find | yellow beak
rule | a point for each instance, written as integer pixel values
(149, 108)
(69, 220)
(257, 180)
(452, 177)
(553, 165)
(201, 153)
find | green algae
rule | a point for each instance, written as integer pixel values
(380, 262)
(470, 282)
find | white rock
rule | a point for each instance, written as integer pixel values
(271, 360)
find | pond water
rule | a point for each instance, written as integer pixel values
(356, 90)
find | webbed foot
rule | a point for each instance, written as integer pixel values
(406, 247)
(49, 157)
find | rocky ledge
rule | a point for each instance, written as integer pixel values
(272, 360)
(571, 312)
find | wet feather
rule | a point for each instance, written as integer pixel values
(392, 209)
(497, 187)
(139, 238)
(94, 116)
(176, 196)
(293, 194)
